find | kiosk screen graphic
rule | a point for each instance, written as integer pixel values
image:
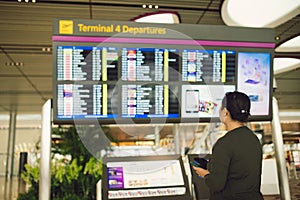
(157, 177)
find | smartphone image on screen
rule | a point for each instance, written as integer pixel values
(192, 101)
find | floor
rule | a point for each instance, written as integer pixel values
(294, 189)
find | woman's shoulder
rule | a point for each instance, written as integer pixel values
(241, 129)
(236, 133)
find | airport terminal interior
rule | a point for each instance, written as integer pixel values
(35, 39)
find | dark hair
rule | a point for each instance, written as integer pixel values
(238, 104)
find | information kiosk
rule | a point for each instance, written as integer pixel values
(145, 177)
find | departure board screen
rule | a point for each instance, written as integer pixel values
(150, 100)
(85, 101)
(216, 66)
(150, 64)
(79, 63)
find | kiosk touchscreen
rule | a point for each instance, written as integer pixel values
(145, 177)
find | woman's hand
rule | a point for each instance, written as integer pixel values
(200, 171)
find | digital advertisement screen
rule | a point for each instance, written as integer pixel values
(254, 79)
(203, 101)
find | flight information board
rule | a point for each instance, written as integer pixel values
(119, 72)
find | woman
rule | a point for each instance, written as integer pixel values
(234, 171)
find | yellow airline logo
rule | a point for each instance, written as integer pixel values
(65, 27)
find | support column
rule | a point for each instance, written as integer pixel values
(177, 144)
(45, 177)
(10, 154)
(22, 162)
(157, 136)
(279, 153)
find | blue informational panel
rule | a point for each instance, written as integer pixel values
(124, 72)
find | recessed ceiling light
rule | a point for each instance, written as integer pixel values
(285, 64)
(14, 63)
(292, 45)
(159, 17)
(258, 13)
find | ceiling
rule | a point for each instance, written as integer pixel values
(26, 30)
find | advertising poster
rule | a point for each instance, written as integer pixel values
(254, 80)
(203, 100)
